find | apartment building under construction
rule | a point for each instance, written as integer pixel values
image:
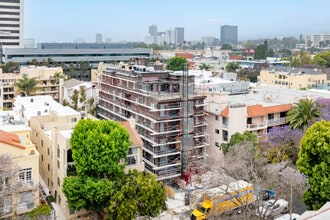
(169, 116)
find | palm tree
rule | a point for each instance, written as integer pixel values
(55, 79)
(27, 85)
(303, 113)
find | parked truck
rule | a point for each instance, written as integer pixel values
(225, 198)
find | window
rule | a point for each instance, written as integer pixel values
(58, 164)
(4, 183)
(58, 181)
(217, 117)
(217, 131)
(48, 151)
(58, 151)
(48, 167)
(270, 116)
(42, 157)
(132, 156)
(217, 144)
(25, 200)
(42, 143)
(249, 121)
(224, 135)
(73, 119)
(5, 204)
(25, 175)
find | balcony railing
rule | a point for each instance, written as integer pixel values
(276, 121)
(256, 126)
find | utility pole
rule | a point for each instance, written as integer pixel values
(290, 201)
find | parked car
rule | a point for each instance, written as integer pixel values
(272, 208)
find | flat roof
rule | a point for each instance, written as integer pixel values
(30, 106)
(267, 95)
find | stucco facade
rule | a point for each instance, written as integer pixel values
(294, 78)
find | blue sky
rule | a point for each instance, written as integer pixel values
(68, 20)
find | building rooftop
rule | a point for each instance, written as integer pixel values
(293, 70)
(133, 135)
(66, 133)
(267, 95)
(71, 83)
(30, 106)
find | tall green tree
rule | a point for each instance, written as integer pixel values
(262, 51)
(302, 114)
(176, 63)
(314, 162)
(232, 67)
(55, 79)
(300, 58)
(323, 59)
(97, 150)
(144, 194)
(10, 67)
(27, 85)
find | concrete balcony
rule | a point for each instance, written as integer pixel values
(276, 121)
(256, 126)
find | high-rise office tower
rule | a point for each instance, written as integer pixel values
(229, 34)
(98, 38)
(11, 23)
(153, 30)
(179, 35)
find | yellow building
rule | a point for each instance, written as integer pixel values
(19, 184)
(48, 83)
(294, 78)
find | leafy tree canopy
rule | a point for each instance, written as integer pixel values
(176, 63)
(232, 67)
(301, 58)
(98, 147)
(314, 162)
(262, 51)
(144, 194)
(239, 138)
(323, 59)
(226, 47)
(10, 67)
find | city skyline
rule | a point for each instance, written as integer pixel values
(66, 21)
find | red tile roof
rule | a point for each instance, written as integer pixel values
(133, 135)
(278, 108)
(11, 139)
(256, 110)
(259, 110)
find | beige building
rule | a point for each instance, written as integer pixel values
(52, 125)
(48, 83)
(294, 78)
(261, 109)
(19, 187)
